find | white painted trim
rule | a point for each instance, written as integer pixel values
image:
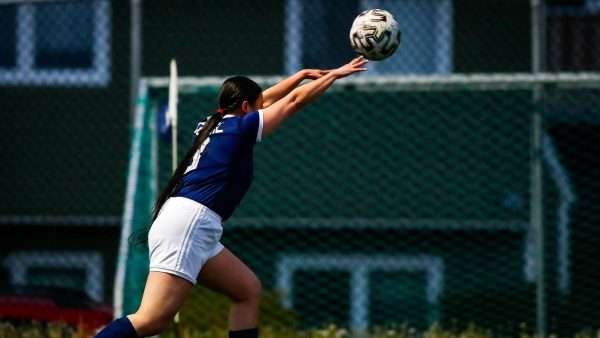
(491, 81)
(132, 180)
(566, 190)
(293, 36)
(378, 223)
(590, 7)
(91, 261)
(444, 49)
(294, 31)
(561, 178)
(102, 41)
(529, 262)
(25, 32)
(284, 222)
(359, 298)
(66, 220)
(360, 266)
(25, 72)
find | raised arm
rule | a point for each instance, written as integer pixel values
(284, 108)
(281, 89)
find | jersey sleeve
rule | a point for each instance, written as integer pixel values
(252, 125)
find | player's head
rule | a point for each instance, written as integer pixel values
(240, 95)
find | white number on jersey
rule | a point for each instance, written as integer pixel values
(197, 156)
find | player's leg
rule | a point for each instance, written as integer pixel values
(227, 274)
(163, 296)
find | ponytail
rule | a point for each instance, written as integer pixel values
(233, 92)
(140, 237)
(173, 184)
(175, 180)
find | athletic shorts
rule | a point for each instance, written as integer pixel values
(183, 237)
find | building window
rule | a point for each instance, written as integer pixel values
(573, 36)
(78, 269)
(7, 36)
(317, 35)
(360, 268)
(55, 43)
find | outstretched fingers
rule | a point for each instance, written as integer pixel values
(358, 64)
(354, 66)
(358, 59)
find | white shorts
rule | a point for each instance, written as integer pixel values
(183, 237)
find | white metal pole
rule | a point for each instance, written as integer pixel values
(172, 112)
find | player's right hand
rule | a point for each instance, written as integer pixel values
(355, 66)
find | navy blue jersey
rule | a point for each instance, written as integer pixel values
(221, 171)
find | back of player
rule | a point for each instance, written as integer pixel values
(222, 168)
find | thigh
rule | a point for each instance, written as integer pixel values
(227, 274)
(164, 295)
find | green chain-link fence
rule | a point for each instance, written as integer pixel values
(391, 201)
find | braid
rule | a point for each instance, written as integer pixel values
(233, 93)
(140, 237)
(173, 183)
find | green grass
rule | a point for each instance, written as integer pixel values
(204, 315)
(59, 330)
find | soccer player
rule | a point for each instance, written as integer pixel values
(203, 192)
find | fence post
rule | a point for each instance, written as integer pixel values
(538, 62)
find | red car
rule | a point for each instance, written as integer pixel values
(48, 304)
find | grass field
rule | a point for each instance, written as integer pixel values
(276, 322)
(59, 330)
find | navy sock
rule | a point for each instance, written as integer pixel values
(249, 333)
(120, 328)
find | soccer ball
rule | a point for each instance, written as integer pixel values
(375, 34)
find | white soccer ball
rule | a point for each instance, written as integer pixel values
(375, 34)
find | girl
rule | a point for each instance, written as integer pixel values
(203, 192)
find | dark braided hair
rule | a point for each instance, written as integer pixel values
(234, 91)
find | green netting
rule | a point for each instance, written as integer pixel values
(381, 204)
(386, 155)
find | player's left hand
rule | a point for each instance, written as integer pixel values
(357, 65)
(313, 74)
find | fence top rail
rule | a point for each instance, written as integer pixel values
(495, 81)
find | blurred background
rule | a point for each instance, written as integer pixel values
(456, 182)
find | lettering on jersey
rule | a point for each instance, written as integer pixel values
(198, 154)
(198, 127)
(217, 130)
